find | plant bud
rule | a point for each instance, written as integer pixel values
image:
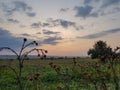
(25, 39)
(46, 51)
(38, 55)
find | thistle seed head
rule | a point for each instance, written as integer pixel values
(25, 39)
(35, 43)
(46, 51)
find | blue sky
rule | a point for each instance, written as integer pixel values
(62, 27)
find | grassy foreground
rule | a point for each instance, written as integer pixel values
(61, 74)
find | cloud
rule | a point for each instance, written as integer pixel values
(22, 26)
(45, 24)
(104, 3)
(101, 34)
(87, 1)
(52, 40)
(95, 8)
(49, 40)
(7, 39)
(17, 6)
(25, 34)
(38, 33)
(48, 32)
(36, 25)
(1, 20)
(85, 11)
(108, 12)
(39, 25)
(12, 20)
(107, 3)
(65, 23)
(109, 7)
(31, 14)
(54, 23)
(64, 9)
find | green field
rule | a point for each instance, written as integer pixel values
(60, 74)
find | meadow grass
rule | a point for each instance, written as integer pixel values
(49, 79)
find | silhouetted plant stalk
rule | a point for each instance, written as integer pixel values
(114, 59)
(34, 79)
(21, 56)
(101, 75)
(64, 75)
(96, 74)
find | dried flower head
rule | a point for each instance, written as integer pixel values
(31, 78)
(46, 51)
(35, 43)
(59, 87)
(25, 56)
(54, 66)
(37, 74)
(25, 39)
(57, 69)
(51, 63)
(117, 48)
(74, 61)
(35, 78)
(97, 64)
(38, 54)
(44, 56)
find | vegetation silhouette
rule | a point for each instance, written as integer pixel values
(100, 49)
(108, 56)
(21, 56)
(101, 73)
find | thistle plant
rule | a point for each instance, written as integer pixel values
(64, 75)
(34, 78)
(21, 56)
(115, 57)
(112, 59)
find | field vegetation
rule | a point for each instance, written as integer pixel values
(62, 74)
(102, 72)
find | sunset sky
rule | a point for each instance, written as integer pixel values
(63, 27)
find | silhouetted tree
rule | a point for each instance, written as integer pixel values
(100, 50)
